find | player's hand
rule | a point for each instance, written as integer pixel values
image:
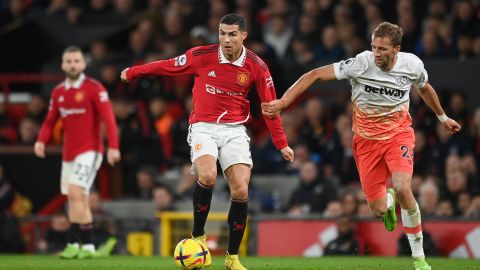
(113, 155)
(452, 126)
(273, 108)
(287, 153)
(123, 76)
(39, 149)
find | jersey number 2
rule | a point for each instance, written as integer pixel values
(405, 150)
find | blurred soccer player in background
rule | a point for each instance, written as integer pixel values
(82, 103)
(224, 74)
(383, 144)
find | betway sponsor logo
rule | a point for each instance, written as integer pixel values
(66, 112)
(385, 91)
(214, 90)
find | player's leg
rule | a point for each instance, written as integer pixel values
(236, 162)
(81, 180)
(73, 238)
(400, 161)
(203, 142)
(238, 177)
(373, 173)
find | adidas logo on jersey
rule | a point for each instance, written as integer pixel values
(212, 74)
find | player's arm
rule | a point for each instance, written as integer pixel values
(266, 92)
(180, 65)
(104, 107)
(430, 97)
(47, 127)
(273, 108)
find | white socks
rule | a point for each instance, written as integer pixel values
(89, 247)
(413, 228)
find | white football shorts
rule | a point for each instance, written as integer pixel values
(229, 144)
(81, 171)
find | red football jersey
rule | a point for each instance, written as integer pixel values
(81, 106)
(221, 88)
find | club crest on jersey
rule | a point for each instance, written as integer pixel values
(79, 96)
(242, 78)
(401, 81)
(197, 147)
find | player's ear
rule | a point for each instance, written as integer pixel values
(397, 49)
(244, 35)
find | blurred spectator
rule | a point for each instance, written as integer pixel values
(474, 209)
(28, 131)
(313, 194)
(145, 182)
(463, 203)
(278, 34)
(163, 198)
(346, 242)
(349, 204)
(179, 131)
(363, 210)
(37, 108)
(55, 238)
(186, 183)
(428, 199)
(331, 49)
(13, 17)
(444, 209)
(334, 210)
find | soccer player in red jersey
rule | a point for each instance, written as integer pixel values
(82, 103)
(383, 143)
(224, 74)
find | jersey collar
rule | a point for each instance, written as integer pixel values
(76, 84)
(239, 62)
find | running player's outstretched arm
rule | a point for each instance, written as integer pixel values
(430, 97)
(180, 65)
(273, 108)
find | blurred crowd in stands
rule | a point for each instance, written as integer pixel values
(291, 37)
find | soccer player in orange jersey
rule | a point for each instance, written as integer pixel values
(383, 142)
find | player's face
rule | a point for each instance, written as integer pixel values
(73, 64)
(231, 40)
(384, 52)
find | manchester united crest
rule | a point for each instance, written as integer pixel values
(197, 147)
(79, 96)
(243, 78)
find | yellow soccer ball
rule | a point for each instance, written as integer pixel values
(190, 254)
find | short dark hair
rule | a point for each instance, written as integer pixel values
(72, 49)
(393, 31)
(235, 19)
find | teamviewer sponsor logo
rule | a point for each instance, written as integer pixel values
(214, 90)
(385, 91)
(66, 112)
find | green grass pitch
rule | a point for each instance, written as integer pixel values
(252, 263)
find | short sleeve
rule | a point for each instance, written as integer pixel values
(421, 74)
(350, 68)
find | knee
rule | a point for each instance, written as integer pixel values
(378, 210)
(208, 178)
(402, 189)
(75, 194)
(240, 193)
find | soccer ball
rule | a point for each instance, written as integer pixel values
(190, 254)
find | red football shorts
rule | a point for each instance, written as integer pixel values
(377, 159)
